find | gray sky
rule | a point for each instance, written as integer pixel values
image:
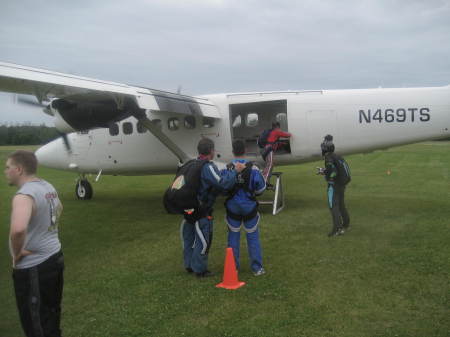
(229, 46)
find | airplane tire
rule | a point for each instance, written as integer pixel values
(83, 190)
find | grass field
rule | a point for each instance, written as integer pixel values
(388, 276)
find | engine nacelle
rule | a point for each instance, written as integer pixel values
(76, 116)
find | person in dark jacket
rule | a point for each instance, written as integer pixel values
(197, 231)
(337, 175)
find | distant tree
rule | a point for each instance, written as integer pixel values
(26, 134)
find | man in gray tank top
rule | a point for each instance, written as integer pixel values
(37, 258)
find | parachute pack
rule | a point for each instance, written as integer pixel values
(181, 196)
(344, 174)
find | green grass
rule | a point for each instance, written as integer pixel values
(388, 276)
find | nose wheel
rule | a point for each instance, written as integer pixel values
(83, 189)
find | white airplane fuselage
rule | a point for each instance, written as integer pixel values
(359, 120)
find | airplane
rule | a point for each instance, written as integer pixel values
(118, 129)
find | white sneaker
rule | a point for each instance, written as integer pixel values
(259, 272)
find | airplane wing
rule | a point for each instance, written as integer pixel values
(45, 84)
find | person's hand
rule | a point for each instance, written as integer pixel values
(239, 167)
(22, 254)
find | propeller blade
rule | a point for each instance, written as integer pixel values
(29, 101)
(66, 142)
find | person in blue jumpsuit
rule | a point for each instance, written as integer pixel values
(196, 231)
(242, 209)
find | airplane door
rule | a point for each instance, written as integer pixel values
(320, 123)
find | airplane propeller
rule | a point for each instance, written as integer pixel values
(66, 142)
(27, 100)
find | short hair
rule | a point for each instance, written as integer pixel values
(205, 146)
(238, 147)
(276, 125)
(26, 159)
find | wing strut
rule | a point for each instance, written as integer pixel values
(162, 137)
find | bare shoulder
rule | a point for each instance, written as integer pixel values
(22, 200)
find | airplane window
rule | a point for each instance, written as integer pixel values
(127, 128)
(237, 122)
(252, 119)
(114, 129)
(208, 122)
(140, 128)
(282, 119)
(173, 123)
(189, 122)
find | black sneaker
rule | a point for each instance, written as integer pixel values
(189, 270)
(206, 273)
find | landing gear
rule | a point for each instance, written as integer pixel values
(83, 189)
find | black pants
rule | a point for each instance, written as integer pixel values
(38, 297)
(336, 202)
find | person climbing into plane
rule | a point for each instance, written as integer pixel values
(269, 140)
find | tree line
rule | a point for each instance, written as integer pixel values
(27, 134)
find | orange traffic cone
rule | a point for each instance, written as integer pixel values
(230, 275)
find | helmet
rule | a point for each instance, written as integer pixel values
(327, 144)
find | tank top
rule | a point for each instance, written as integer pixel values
(42, 232)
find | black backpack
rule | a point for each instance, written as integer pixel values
(181, 196)
(344, 174)
(262, 139)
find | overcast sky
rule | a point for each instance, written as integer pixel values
(213, 46)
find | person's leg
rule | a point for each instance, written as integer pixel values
(51, 281)
(334, 209)
(25, 302)
(269, 166)
(203, 236)
(253, 243)
(342, 209)
(234, 237)
(187, 231)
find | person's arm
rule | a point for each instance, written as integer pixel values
(221, 181)
(22, 209)
(258, 182)
(281, 134)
